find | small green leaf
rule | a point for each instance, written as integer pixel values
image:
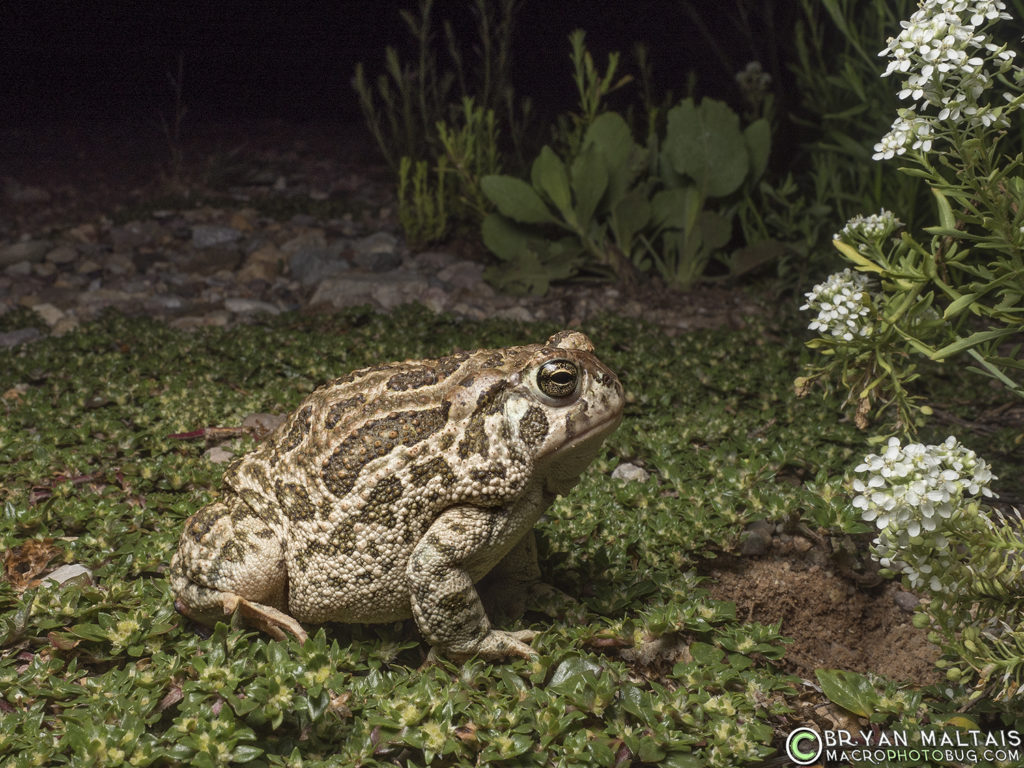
(946, 218)
(958, 306)
(851, 691)
(516, 199)
(703, 653)
(856, 257)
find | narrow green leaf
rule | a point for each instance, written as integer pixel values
(958, 306)
(856, 257)
(946, 218)
(971, 341)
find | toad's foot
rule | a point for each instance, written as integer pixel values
(265, 618)
(496, 645)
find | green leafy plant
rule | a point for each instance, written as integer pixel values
(434, 197)
(422, 201)
(961, 291)
(621, 207)
(411, 99)
(936, 531)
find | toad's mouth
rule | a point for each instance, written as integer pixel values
(593, 433)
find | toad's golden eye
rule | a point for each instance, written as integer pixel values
(558, 378)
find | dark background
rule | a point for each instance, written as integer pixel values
(80, 60)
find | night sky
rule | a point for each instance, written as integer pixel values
(77, 60)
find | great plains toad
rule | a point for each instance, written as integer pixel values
(390, 492)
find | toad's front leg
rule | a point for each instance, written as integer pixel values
(459, 546)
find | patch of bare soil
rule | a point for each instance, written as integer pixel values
(833, 623)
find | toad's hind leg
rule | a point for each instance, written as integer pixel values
(230, 559)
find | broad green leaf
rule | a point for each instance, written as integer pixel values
(851, 691)
(589, 182)
(503, 237)
(758, 137)
(706, 144)
(750, 257)
(611, 138)
(716, 230)
(516, 199)
(675, 208)
(629, 216)
(548, 174)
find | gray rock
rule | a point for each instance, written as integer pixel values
(62, 254)
(758, 539)
(68, 573)
(907, 601)
(463, 274)
(219, 455)
(395, 292)
(378, 242)
(311, 238)
(24, 250)
(387, 290)
(311, 264)
(20, 336)
(244, 306)
(378, 261)
(435, 298)
(19, 269)
(207, 235)
(164, 302)
(51, 315)
(630, 473)
(434, 261)
(211, 259)
(136, 233)
(518, 313)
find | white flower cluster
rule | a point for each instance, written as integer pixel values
(909, 493)
(873, 229)
(843, 304)
(753, 79)
(949, 63)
